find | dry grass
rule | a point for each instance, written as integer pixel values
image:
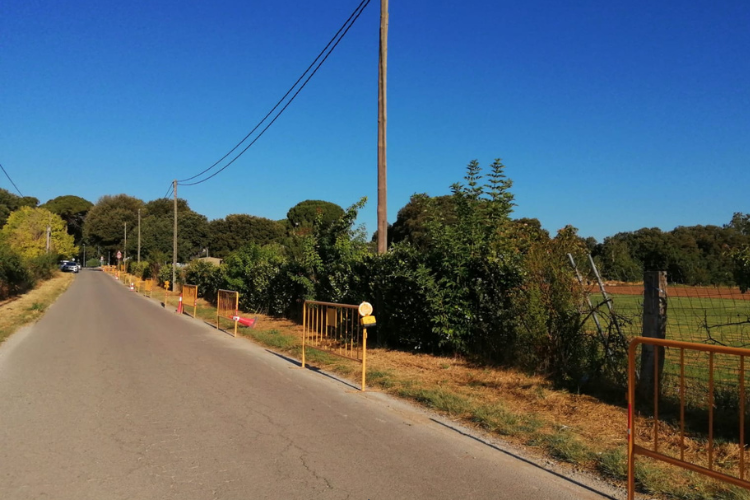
(29, 307)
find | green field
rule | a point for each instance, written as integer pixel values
(693, 319)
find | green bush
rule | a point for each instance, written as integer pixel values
(253, 271)
(15, 277)
(206, 276)
(140, 270)
(403, 292)
(165, 274)
(42, 267)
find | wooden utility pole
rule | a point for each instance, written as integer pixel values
(174, 242)
(139, 236)
(654, 326)
(125, 250)
(382, 120)
(49, 233)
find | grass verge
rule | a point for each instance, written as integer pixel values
(29, 307)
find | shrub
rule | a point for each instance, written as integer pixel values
(206, 276)
(140, 270)
(15, 278)
(252, 271)
(42, 267)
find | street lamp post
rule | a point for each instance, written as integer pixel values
(84, 255)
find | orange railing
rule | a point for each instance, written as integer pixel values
(652, 451)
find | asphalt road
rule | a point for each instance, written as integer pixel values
(109, 396)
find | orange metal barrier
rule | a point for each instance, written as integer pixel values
(334, 328)
(227, 307)
(148, 287)
(190, 297)
(653, 451)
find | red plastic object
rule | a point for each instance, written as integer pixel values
(248, 322)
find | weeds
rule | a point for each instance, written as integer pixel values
(564, 446)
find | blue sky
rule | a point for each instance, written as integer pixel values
(609, 116)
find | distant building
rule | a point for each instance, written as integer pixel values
(212, 260)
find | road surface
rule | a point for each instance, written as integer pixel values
(109, 396)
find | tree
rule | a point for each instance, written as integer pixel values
(302, 216)
(9, 202)
(410, 222)
(164, 207)
(26, 232)
(73, 210)
(157, 236)
(741, 223)
(105, 221)
(237, 230)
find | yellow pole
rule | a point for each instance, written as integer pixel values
(218, 306)
(364, 357)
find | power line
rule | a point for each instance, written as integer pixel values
(169, 191)
(11, 180)
(280, 100)
(345, 28)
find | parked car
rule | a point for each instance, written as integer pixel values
(70, 267)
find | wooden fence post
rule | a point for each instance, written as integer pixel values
(654, 326)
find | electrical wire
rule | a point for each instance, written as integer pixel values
(169, 191)
(283, 98)
(355, 15)
(11, 180)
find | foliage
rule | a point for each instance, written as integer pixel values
(303, 215)
(73, 210)
(252, 271)
(474, 267)
(9, 202)
(410, 225)
(236, 230)
(332, 252)
(403, 290)
(92, 262)
(105, 222)
(42, 267)
(26, 232)
(157, 236)
(692, 255)
(741, 259)
(206, 276)
(15, 278)
(164, 274)
(551, 338)
(740, 222)
(140, 270)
